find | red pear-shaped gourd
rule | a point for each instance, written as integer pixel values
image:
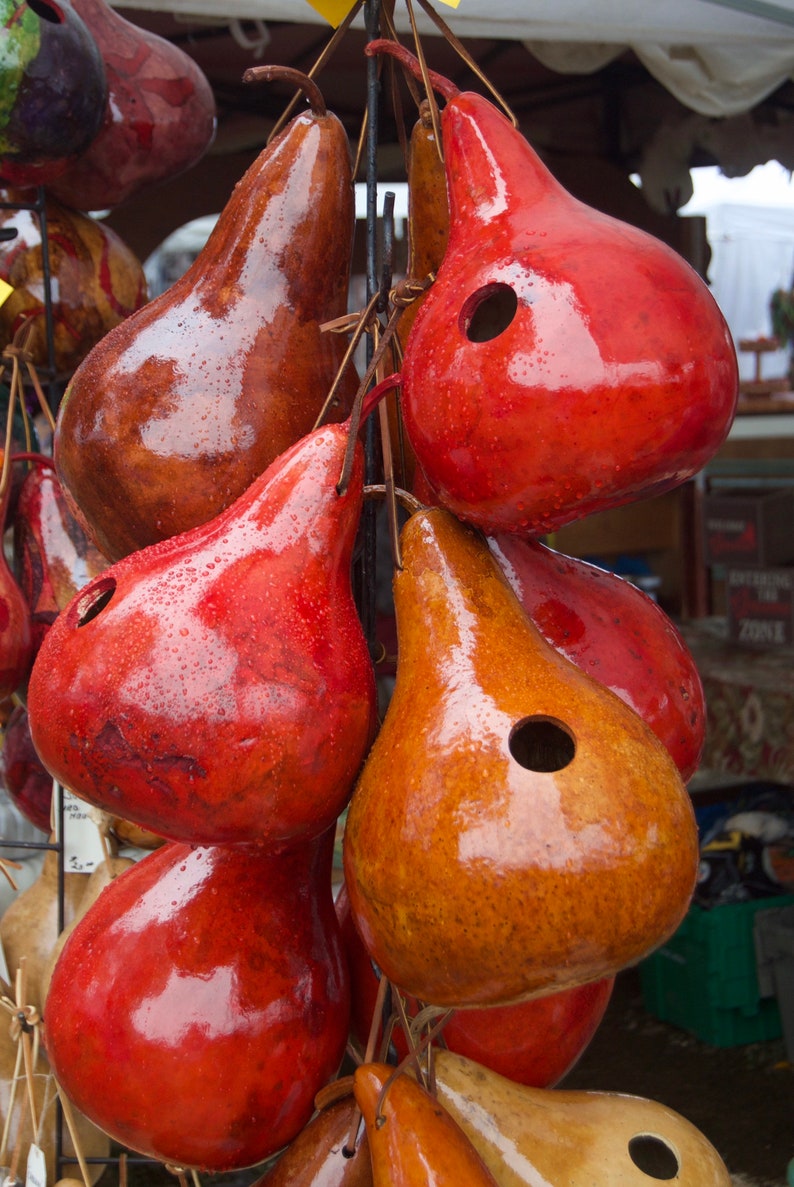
(615, 633)
(563, 361)
(178, 409)
(202, 1001)
(159, 118)
(217, 686)
(517, 829)
(53, 556)
(16, 629)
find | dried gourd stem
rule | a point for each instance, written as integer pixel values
(42, 399)
(430, 94)
(411, 1057)
(360, 144)
(410, 1036)
(179, 1171)
(11, 1097)
(404, 497)
(324, 57)
(39, 459)
(463, 53)
(359, 323)
(195, 1177)
(306, 86)
(122, 1169)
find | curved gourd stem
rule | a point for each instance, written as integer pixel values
(307, 86)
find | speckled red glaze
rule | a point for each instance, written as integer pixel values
(225, 692)
(159, 118)
(615, 633)
(479, 872)
(178, 409)
(202, 1001)
(615, 379)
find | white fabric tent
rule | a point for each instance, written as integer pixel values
(719, 57)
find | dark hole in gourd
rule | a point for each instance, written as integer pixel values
(653, 1156)
(541, 744)
(488, 312)
(94, 601)
(46, 11)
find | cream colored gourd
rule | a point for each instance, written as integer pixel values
(533, 1136)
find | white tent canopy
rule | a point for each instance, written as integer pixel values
(718, 57)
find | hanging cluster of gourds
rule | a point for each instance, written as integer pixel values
(518, 827)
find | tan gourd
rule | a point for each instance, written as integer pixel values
(528, 1136)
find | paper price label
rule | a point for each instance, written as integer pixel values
(82, 844)
(36, 1175)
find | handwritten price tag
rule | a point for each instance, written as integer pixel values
(82, 844)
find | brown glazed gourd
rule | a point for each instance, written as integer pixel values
(413, 1140)
(516, 828)
(320, 1155)
(529, 1136)
(177, 410)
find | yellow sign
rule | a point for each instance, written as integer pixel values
(5, 291)
(335, 11)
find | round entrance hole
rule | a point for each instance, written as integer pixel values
(488, 312)
(653, 1156)
(541, 744)
(95, 600)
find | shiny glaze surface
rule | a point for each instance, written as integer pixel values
(96, 281)
(159, 118)
(225, 691)
(615, 633)
(316, 1159)
(178, 409)
(202, 1001)
(16, 630)
(53, 83)
(534, 1042)
(616, 377)
(413, 1141)
(53, 556)
(479, 872)
(22, 773)
(529, 1136)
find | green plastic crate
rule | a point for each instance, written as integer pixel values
(704, 978)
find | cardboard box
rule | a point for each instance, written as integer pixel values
(760, 604)
(749, 527)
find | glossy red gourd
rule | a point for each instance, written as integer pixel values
(158, 120)
(217, 686)
(22, 773)
(563, 361)
(615, 633)
(202, 1001)
(16, 631)
(178, 409)
(535, 1042)
(53, 83)
(53, 556)
(516, 829)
